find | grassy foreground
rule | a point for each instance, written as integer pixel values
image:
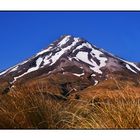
(26, 109)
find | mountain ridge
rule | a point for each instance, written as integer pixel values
(72, 56)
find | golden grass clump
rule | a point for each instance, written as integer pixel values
(37, 109)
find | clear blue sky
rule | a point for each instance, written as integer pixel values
(22, 34)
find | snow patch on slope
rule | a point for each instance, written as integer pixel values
(38, 63)
(78, 74)
(14, 69)
(96, 82)
(132, 64)
(64, 41)
(46, 60)
(128, 67)
(55, 57)
(129, 63)
(4, 72)
(83, 56)
(44, 51)
(93, 75)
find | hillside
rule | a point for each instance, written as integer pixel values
(69, 64)
(71, 84)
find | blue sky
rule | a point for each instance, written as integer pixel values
(22, 34)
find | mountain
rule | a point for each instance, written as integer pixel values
(73, 62)
(138, 64)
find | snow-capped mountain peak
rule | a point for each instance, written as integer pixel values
(70, 56)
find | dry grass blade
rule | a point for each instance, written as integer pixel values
(29, 108)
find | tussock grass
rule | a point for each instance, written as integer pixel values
(26, 108)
